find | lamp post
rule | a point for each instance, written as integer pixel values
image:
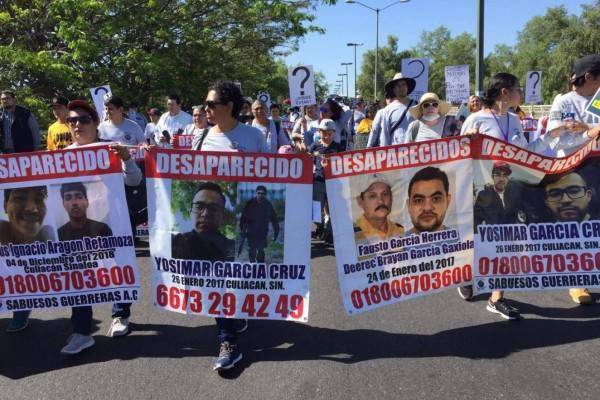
(345, 64)
(355, 45)
(377, 10)
(479, 70)
(342, 75)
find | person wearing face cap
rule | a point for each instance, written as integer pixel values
(395, 117)
(376, 201)
(568, 122)
(429, 119)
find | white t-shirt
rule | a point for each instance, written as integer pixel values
(423, 131)
(506, 128)
(150, 131)
(242, 138)
(127, 132)
(172, 123)
(273, 138)
(575, 103)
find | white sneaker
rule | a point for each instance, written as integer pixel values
(77, 343)
(119, 327)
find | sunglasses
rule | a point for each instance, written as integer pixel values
(213, 104)
(84, 120)
(433, 104)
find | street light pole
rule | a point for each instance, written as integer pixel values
(377, 10)
(342, 75)
(480, 66)
(347, 77)
(355, 45)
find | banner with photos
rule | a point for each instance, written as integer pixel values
(230, 233)
(402, 221)
(536, 219)
(65, 235)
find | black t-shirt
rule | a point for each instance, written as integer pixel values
(317, 149)
(90, 229)
(202, 246)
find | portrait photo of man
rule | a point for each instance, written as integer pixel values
(256, 216)
(376, 201)
(75, 201)
(499, 202)
(568, 198)
(26, 210)
(428, 200)
(204, 241)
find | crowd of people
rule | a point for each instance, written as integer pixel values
(226, 121)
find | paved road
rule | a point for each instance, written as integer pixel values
(438, 347)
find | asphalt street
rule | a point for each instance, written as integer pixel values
(436, 347)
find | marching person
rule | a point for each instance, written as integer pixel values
(223, 104)
(429, 119)
(173, 121)
(59, 135)
(274, 137)
(117, 128)
(19, 130)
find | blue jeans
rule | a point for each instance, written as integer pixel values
(122, 310)
(226, 329)
(81, 317)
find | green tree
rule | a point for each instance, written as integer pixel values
(144, 48)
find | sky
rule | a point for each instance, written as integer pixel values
(346, 23)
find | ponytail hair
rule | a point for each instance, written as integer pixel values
(500, 81)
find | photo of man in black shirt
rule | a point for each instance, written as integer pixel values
(75, 202)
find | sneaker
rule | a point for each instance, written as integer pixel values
(77, 343)
(241, 326)
(505, 310)
(119, 327)
(580, 296)
(19, 321)
(466, 292)
(229, 354)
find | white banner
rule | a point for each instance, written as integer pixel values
(457, 83)
(98, 95)
(230, 233)
(418, 69)
(302, 85)
(533, 87)
(65, 235)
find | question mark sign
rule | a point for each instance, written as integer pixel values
(537, 75)
(303, 80)
(422, 67)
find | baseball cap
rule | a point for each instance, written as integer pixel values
(327, 125)
(502, 166)
(376, 178)
(585, 64)
(59, 101)
(82, 104)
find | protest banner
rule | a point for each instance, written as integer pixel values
(98, 95)
(301, 82)
(402, 221)
(230, 233)
(65, 235)
(535, 218)
(457, 83)
(533, 87)
(183, 141)
(418, 69)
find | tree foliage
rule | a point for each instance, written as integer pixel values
(550, 43)
(145, 48)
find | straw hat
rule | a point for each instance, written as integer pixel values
(416, 111)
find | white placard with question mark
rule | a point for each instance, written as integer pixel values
(98, 95)
(265, 97)
(533, 87)
(302, 85)
(418, 69)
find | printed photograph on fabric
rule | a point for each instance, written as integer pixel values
(226, 221)
(82, 209)
(398, 204)
(24, 216)
(505, 193)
